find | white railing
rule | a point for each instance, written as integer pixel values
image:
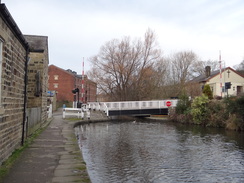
(95, 106)
(140, 104)
(131, 105)
(105, 108)
(73, 112)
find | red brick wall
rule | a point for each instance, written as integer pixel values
(65, 82)
(90, 90)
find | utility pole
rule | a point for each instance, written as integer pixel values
(82, 83)
(220, 73)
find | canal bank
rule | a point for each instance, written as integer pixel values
(54, 156)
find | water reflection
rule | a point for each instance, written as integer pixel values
(161, 152)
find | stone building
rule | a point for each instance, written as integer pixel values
(37, 81)
(13, 66)
(21, 63)
(64, 81)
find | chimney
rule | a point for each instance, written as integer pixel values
(207, 71)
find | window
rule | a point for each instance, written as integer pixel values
(55, 77)
(55, 85)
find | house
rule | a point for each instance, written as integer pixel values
(64, 81)
(23, 70)
(227, 82)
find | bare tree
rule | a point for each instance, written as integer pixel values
(123, 68)
(178, 70)
(199, 67)
(240, 67)
(163, 79)
(181, 66)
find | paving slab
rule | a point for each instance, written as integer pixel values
(54, 156)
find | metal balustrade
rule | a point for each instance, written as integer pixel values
(107, 107)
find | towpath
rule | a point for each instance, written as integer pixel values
(53, 157)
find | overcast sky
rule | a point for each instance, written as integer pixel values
(78, 28)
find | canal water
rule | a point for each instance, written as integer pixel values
(161, 152)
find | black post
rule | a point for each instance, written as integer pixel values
(25, 97)
(78, 103)
(75, 91)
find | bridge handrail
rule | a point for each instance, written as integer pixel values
(130, 105)
(99, 106)
(96, 105)
(106, 110)
(140, 104)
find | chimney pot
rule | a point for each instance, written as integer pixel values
(207, 71)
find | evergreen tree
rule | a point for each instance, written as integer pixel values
(207, 91)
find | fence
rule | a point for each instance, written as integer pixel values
(73, 112)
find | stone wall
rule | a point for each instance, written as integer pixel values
(12, 88)
(37, 79)
(14, 54)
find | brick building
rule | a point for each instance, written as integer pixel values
(16, 55)
(90, 89)
(64, 81)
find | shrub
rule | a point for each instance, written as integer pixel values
(230, 104)
(217, 114)
(240, 107)
(207, 91)
(235, 108)
(181, 118)
(183, 104)
(235, 105)
(233, 123)
(199, 109)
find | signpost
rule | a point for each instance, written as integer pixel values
(168, 103)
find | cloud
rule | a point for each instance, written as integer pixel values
(78, 28)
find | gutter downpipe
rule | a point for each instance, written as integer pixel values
(25, 96)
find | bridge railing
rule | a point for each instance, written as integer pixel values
(130, 105)
(140, 104)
